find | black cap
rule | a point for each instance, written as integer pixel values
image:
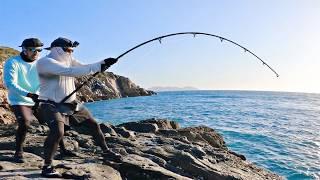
(31, 42)
(62, 42)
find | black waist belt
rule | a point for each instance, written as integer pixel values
(55, 103)
(47, 101)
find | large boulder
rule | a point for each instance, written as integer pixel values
(109, 86)
(162, 123)
(140, 127)
(150, 125)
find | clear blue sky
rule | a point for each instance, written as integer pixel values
(286, 34)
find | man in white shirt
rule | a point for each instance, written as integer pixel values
(57, 72)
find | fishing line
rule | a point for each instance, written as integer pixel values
(160, 38)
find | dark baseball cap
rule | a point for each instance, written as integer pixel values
(31, 42)
(63, 42)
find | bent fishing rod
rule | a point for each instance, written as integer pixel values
(165, 36)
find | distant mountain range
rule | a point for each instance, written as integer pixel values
(164, 88)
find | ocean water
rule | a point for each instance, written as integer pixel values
(279, 131)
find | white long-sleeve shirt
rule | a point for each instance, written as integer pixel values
(57, 71)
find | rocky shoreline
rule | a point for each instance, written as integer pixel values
(150, 149)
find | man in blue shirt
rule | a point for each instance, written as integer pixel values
(20, 77)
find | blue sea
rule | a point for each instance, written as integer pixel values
(279, 131)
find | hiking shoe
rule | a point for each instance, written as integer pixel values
(18, 158)
(50, 172)
(111, 156)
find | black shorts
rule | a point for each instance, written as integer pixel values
(52, 113)
(24, 114)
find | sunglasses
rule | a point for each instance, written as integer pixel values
(68, 50)
(34, 50)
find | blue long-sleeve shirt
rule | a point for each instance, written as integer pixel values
(20, 78)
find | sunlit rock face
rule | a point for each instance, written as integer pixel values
(6, 116)
(109, 86)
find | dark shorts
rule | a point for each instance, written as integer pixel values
(52, 114)
(24, 114)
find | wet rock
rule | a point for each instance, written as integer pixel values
(108, 128)
(203, 134)
(140, 127)
(169, 132)
(124, 132)
(162, 123)
(238, 155)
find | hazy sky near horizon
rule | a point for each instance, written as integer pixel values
(286, 34)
